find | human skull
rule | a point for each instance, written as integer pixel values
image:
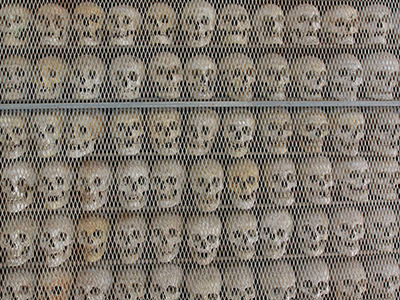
(131, 235)
(93, 284)
(278, 281)
(198, 23)
(15, 78)
(56, 285)
(243, 183)
(313, 279)
(276, 229)
(92, 237)
(281, 181)
(161, 23)
(345, 77)
(376, 23)
(207, 178)
(130, 284)
(341, 24)
(304, 24)
(243, 235)
(87, 78)
(166, 283)
(51, 73)
(239, 129)
(353, 177)
(269, 24)
(317, 177)
(168, 180)
(53, 25)
(165, 131)
(166, 236)
(273, 74)
(234, 24)
(88, 22)
(348, 229)
(239, 283)
(18, 285)
(383, 229)
(17, 240)
(17, 186)
(313, 128)
(48, 131)
(83, 131)
(310, 76)
(385, 178)
(14, 23)
(384, 278)
(204, 284)
(201, 77)
(350, 280)
(313, 229)
(204, 238)
(239, 75)
(13, 135)
(133, 184)
(127, 77)
(347, 128)
(381, 76)
(166, 73)
(124, 24)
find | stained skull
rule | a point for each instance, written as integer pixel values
(13, 135)
(313, 231)
(304, 24)
(278, 281)
(123, 24)
(350, 280)
(239, 283)
(269, 24)
(15, 78)
(130, 284)
(166, 283)
(204, 284)
(314, 279)
(56, 285)
(51, 73)
(376, 23)
(201, 77)
(48, 133)
(18, 285)
(53, 23)
(234, 24)
(88, 22)
(161, 24)
(341, 23)
(93, 284)
(14, 23)
(128, 131)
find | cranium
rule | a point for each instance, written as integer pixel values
(278, 281)
(201, 77)
(341, 24)
(269, 24)
(239, 283)
(313, 229)
(15, 78)
(13, 135)
(273, 74)
(48, 131)
(14, 23)
(384, 278)
(383, 229)
(130, 284)
(53, 24)
(166, 283)
(161, 24)
(88, 22)
(304, 24)
(385, 178)
(276, 128)
(93, 284)
(56, 285)
(235, 24)
(51, 73)
(376, 22)
(18, 285)
(350, 280)
(124, 24)
(204, 284)
(313, 279)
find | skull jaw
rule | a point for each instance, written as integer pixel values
(94, 253)
(94, 201)
(245, 254)
(349, 248)
(319, 196)
(47, 149)
(167, 147)
(384, 192)
(356, 194)
(376, 38)
(200, 92)
(312, 145)
(91, 40)
(204, 258)
(161, 39)
(274, 250)
(276, 146)
(168, 199)
(244, 200)
(380, 94)
(285, 198)
(199, 39)
(130, 150)
(119, 39)
(240, 94)
(56, 258)
(54, 40)
(314, 249)
(129, 93)
(13, 151)
(15, 204)
(307, 39)
(238, 150)
(167, 255)
(241, 37)
(14, 95)
(350, 148)
(48, 93)
(276, 94)
(56, 201)
(132, 254)
(199, 148)
(385, 245)
(275, 39)
(345, 93)
(169, 91)
(342, 39)
(11, 40)
(385, 150)
(133, 201)
(84, 93)
(79, 149)
(208, 203)
(311, 94)
(20, 257)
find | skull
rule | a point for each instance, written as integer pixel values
(341, 24)
(131, 235)
(17, 240)
(201, 77)
(133, 184)
(350, 280)
(273, 74)
(376, 22)
(269, 24)
(15, 78)
(166, 283)
(346, 76)
(383, 228)
(93, 284)
(127, 77)
(17, 186)
(50, 78)
(385, 178)
(13, 135)
(348, 228)
(128, 131)
(87, 77)
(316, 174)
(313, 128)
(198, 23)
(278, 281)
(239, 129)
(281, 181)
(48, 133)
(314, 278)
(92, 236)
(18, 285)
(313, 228)
(161, 24)
(88, 22)
(310, 75)
(239, 283)
(53, 24)
(124, 24)
(56, 239)
(56, 285)
(353, 177)
(168, 180)
(385, 278)
(165, 131)
(348, 128)
(381, 76)
(166, 72)
(130, 285)
(243, 183)
(276, 231)
(239, 75)
(204, 284)
(204, 238)
(235, 25)
(166, 236)
(14, 23)
(243, 235)
(304, 24)
(83, 131)
(207, 184)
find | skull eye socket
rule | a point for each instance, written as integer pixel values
(310, 127)
(314, 179)
(159, 127)
(95, 291)
(211, 238)
(50, 128)
(345, 128)
(302, 19)
(321, 229)
(156, 288)
(172, 232)
(252, 233)
(25, 289)
(205, 130)
(17, 130)
(164, 18)
(340, 22)
(216, 181)
(82, 129)
(172, 290)
(291, 177)
(92, 74)
(381, 175)
(231, 128)
(343, 72)
(142, 180)
(59, 180)
(251, 180)
(236, 179)
(63, 236)
(133, 76)
(198, 297)
(56, 290)
(246, 130)
(276, 291)
(280, 233)
(94, 18)
(307, 284)
(344, 227)
(97, 181)
(171, 180)
(359, 228)
(174, 125)
(205, 20)
(212, 296)
(307, 228)
(126, 20)
(322, 285)
(237, 234)
(53, 74)
(97, 234)
(22, 236)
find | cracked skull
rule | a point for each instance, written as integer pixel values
(14, 23)
(273, 74)
(128, 132)
(276, 129)
(56, 285)
(376, 23)
(201, 77)
(48, 131)
(341, 23)
(131, 284)
(304, 24)
(269, 24)
(314, 279)
(15, 78)
(235, 24)
(51, 73)
(13, 135)
(124, 24)
(313, 229)
(161, 24)
(93, 284)
(166, 283)
(350, 280)
(239, 283)
(383, 229)
(278, 281)
(385, 179)
(18, 285)
(53, 24)
(88, 23)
